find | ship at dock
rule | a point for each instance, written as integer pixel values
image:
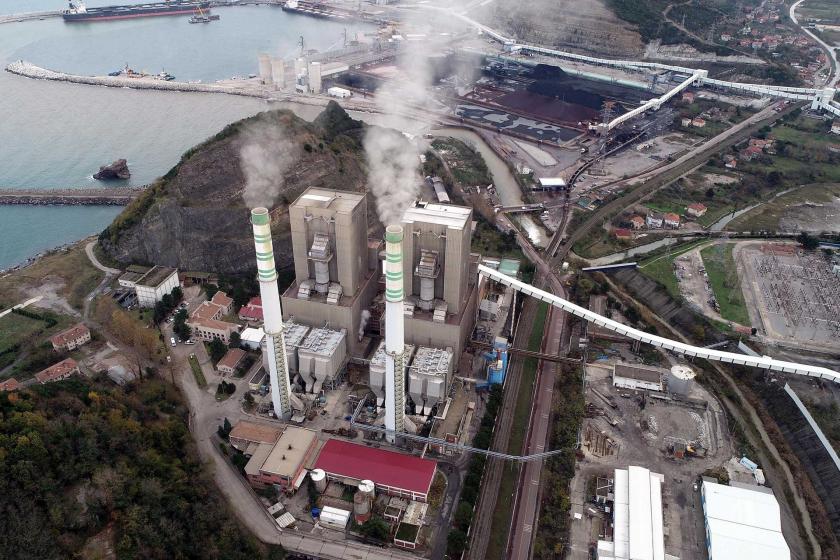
(78, 12)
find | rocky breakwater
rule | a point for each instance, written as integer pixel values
(71, 197)
(29, 70)
(194, 217)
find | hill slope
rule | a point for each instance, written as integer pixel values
(194, 217)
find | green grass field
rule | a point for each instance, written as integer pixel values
(767, 216)
(504, 504)
(197, 373)
(723, 277)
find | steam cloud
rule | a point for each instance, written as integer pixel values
(393, 159)
(266, 155)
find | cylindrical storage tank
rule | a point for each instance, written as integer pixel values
(368, 488)
(322, 276)
(319, 478)
(427, 292)
(680, 379)
(265, 69)
(363, 501)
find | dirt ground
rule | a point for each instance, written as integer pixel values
(641, 435)
(694, 284)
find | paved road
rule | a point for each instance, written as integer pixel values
(830, 51)
(95, 262)
(26, 303)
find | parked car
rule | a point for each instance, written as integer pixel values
(190, 342)
(172, 340)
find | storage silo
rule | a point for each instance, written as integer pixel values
(363, 501)
(680, 379)
(319, 478)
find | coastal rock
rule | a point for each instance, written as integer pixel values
(194, 217)
(117, 170)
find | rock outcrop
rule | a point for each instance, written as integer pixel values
(194, 217)
(117, 170)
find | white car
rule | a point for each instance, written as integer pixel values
(190, 342)
(172, 340)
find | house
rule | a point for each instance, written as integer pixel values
(10, 385)
(154, 284)
(696, 209)
(57, 372)
(623, 234)
(835, 127)
(750, 153)
(70, 339)
(637, 222)
(730, 161)
(685, 122)
(725, 37)
(699, 122)
(230, 361)
(654, 220)
(672, 220)
(688, 96)
(252, 311)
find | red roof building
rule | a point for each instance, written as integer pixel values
(252, 311)
(10, 384)
(623, 233)
(57, 372)
(71, 338)
(393, 473)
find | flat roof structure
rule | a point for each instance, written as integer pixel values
(156, 276)
(641, 373)
(392, 472)
(253, 432)
(322, 341)
(638, 527)
(340, 201)
(457, 217)
(289, 453)
(742, 522)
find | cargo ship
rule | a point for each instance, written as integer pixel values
(77, 11)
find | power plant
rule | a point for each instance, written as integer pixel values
(275, 346)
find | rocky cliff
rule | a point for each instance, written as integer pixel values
(194, 217)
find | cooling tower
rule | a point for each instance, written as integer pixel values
(394, 334)
(275, 346)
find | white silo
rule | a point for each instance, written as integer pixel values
(319, 478)
(680, 379)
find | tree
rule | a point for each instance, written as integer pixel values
(177, 294)
(159, 313)
(808, 242)
(210, 290)
(710, 193)
(463, 516)
(375, 528)
(167, 302)
(183, 331)
(217, 349)
(235, 340)
(456, 542)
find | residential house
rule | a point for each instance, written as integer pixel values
(685, 122)
(57, 372)
(835, 127)
(637, 222)
(750, 153)
(231, 360)
(688, 96)
(654, 220)
(730, 161)
(70, 339)
(623, 234)
(696, 209)
(699, 122)
(10, 385)
(252, 311)
(672, 220)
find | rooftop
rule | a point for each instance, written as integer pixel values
(251, 431)
(156, 276)
(641, 373)
(294, 333)
(72, 333)
(432, 361)
(221, 298)
(383, 467)
(456, 217)
(339, 201)
(231, 359)
(10, 384)
(322, 341)
(287, 456)
(56, 371)
(252, 335)
(378, 358)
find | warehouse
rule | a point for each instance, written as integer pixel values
(393, 473)
(638, 528)
(282, 463)
(627, 376)
(742, 521)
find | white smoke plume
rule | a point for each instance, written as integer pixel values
(393, 159)
(266, 155)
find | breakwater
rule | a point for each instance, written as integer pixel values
(71, 197)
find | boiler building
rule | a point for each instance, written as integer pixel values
(335, 276)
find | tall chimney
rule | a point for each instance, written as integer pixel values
(394, 334)
(275, 346)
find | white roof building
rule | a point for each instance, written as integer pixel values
(742, 522)
(252, 338)
(638, 530)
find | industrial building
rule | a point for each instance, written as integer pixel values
(395, 474)
(638, 528)
(150, 285)
(320, 358)
(429, 377)
(252, 338)
(439, 277)
(742, 521)
(282, 463)
(377, 370)
(635, 377)
(293, 335)
(336, 272)
(247, 436)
